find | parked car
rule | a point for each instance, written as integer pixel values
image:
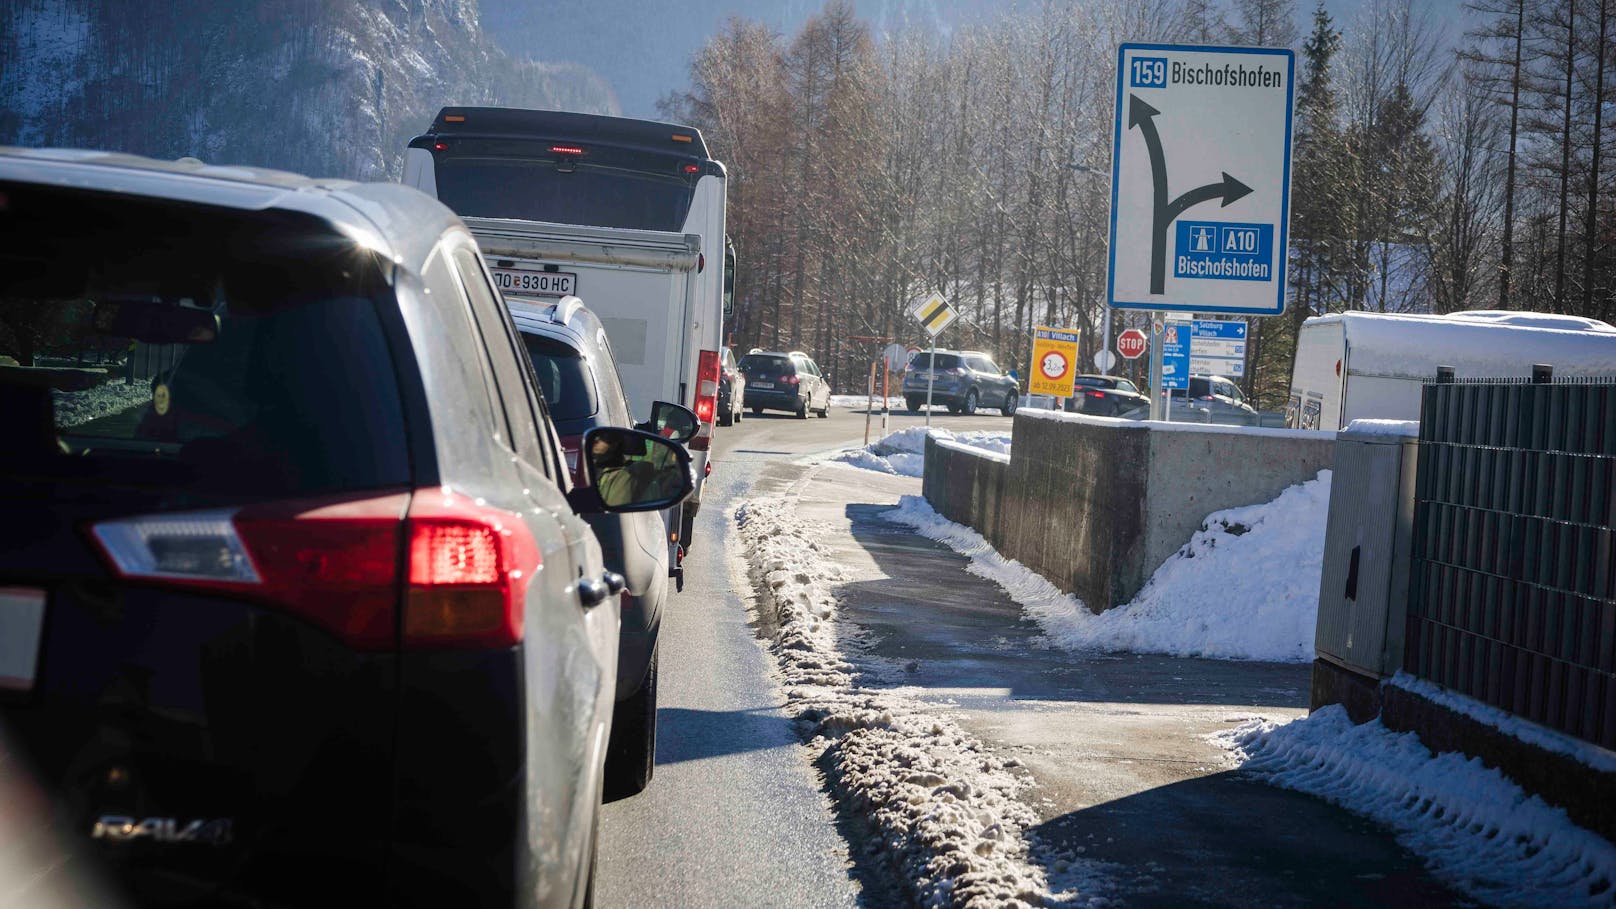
(785, 381)
(1104, 396)
(1208, 399)
(731, 389)
(964, 380)
(577, 374)
(271, 594)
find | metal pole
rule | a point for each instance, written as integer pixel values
(1106, 344)
(1156, 389)
(931, 379)
(869, 403)
(886, 394)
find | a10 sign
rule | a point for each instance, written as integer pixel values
(1132, 343)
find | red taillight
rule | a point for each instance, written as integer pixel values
(1095, 394)
(440, 146)
(470, 564)
(335, 563)
(707, 372)
(692, 168)
(789, 380)
(572, 150)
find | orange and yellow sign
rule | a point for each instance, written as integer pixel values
(1054, 361)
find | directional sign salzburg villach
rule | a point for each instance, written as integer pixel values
(1200, 178)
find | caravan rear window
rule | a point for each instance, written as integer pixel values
(539, 190)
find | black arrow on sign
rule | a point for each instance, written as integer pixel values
(1141, 115)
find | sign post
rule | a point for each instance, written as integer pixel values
(934, 314)
(1200, 191)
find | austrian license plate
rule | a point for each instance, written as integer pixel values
(22, 621)
(535, 282)
(760, 385)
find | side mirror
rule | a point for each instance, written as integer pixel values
(671, 421)
(631, 470)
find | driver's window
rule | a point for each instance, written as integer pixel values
(1125, 385)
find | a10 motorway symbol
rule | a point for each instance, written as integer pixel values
(1132, 343)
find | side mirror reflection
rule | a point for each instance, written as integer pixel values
(636, 471)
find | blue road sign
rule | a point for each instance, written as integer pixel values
(1201, 133)
(1176, 355)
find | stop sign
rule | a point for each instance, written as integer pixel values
(1132, 343)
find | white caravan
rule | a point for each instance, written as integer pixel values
(1361, 365)
(626, 214)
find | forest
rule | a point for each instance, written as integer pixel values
(1432, 172)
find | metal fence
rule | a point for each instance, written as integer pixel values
(1512, 587)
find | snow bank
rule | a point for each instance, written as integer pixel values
(942, 807)
(75, 407)
(1394, 428)
(904, 452)
(1474, 827)
(863, 401)
(1245, 587)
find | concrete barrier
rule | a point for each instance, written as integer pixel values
(1096, 504)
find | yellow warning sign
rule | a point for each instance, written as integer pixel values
(1054, 361)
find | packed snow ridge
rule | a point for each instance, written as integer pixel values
(76, 407)
(1474, 827)
(943, 808)
(904, 452)
(1209, 599)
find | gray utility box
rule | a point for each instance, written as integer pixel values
(1363, 589)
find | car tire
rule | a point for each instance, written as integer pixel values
(594, 861)
(631, 749)
(735, 414)
(953, 408)
(1011, 399)
(726, 418)
(914, 404)
(757, 411)
(802, 410)
(969, 407)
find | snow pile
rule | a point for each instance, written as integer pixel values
(862, 401)
(1245, 587)
(1474, 827)
(904, 452)
(1389, 428)
(1511, 725)
(75, 407)
(942, 807)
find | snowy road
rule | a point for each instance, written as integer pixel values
(735, 815)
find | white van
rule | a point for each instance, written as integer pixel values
(627, 214)
(1358, 365)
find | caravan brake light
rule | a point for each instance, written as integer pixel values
(566, 150)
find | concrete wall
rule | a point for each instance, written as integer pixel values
(1096, 505)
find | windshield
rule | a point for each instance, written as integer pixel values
(564, 377)
(536, 190)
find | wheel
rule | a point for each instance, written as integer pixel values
(726, 418)
(802, 410)
(1010, 401)
(969, 407)
(735, 413)
(825, 411)
(757, 411)
(631, 750)
(914, 404)
(594, 861)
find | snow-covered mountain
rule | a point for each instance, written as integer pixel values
(327, 87)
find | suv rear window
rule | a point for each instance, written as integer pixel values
(569, 390)
(944, 361)
(768, 364)
(154, 343)
(1199, 388)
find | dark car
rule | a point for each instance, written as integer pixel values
(731, 389)
(962, 381)
(1208, 399)
(1105, 396)
(294, 602)
(785, 381)
(577, 374)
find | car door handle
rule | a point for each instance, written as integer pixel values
(592, 592)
